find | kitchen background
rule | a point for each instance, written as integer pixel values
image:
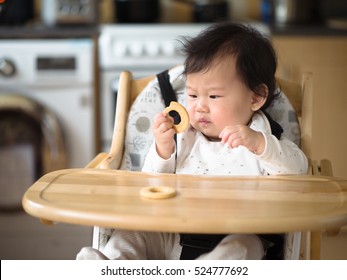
(58, 79)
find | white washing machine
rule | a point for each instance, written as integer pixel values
(46, 123)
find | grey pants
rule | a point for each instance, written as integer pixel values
(139, 245)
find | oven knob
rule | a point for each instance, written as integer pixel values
(120, 49)
(168, 48)
(74, 10)
(136, 49)
(7, 67)
(152, 48)
(64, 10)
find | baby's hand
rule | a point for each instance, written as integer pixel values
(242, 135)
(164, 131)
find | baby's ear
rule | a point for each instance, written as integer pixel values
(259, 98)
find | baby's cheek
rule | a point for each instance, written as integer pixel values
(190, 111)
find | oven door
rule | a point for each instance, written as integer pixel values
(31, 144)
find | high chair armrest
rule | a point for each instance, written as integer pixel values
(95, 162)
(112, 161)
(326, 168)
(106, 161)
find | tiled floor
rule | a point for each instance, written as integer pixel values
(335, 247)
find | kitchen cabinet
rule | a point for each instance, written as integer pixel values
(326, 58)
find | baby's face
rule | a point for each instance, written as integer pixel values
(218, 98)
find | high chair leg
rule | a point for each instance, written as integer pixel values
(316, 238)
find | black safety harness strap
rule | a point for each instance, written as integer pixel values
(166, 89)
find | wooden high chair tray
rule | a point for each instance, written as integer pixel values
(203, 204)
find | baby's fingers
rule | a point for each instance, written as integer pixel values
(226, 133)
(165, 126)
(159, 119)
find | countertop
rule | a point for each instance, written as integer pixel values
(39, 31)
(307, 30)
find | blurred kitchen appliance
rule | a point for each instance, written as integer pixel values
(295, 11)
(46, 123)
(144, 49)
(59, 75)
(69, 12)
(137, 11)
(16, 12)
(207, 10)
(334, 10)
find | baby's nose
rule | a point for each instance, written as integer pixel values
(202, 106)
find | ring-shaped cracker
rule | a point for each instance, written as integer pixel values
(158, 192)
(184, 123)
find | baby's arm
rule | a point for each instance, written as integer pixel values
(154, 163)
(164, 135)
(276, 156)
(283, 157)
(161, 155)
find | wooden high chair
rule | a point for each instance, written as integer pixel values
(298, 245)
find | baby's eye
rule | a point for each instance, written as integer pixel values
(214, 96)
(192, 95)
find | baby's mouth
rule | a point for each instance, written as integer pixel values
(203, 121)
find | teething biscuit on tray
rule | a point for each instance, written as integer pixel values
(184, 123)
(158, 192)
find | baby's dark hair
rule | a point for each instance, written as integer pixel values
(256, 60)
